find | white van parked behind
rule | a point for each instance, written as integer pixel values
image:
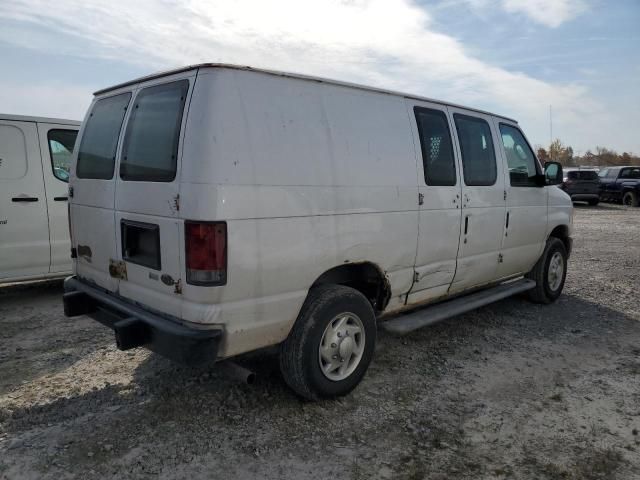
(218, 209)
(35, 154)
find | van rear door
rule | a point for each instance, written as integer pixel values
(148, 229)
(91, 202)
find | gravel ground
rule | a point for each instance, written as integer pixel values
(513, 390)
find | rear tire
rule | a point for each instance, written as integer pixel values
(593, 203)
(630, 199)
(331, 344)
(549, 273)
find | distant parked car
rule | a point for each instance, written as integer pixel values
(35, 154)
(582, 185)
(620, 184)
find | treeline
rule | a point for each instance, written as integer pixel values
(601, 157)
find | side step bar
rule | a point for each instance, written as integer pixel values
(429, 315)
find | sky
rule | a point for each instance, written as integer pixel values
(512, 57)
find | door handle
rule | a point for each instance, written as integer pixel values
(466, 224)
(507, 224)
(60, 199)
(24, 199)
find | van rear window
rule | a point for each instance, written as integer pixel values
(150, 149)
(97, 153)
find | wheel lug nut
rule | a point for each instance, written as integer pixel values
(341, 360)
(334, 356)
(339, 334)
(333, 345)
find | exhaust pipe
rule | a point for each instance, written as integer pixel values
(235, 372)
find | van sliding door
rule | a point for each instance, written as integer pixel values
(440, 201)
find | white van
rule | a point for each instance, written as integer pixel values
(35, 154)
(219, 209)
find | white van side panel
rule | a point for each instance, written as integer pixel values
(559, 210)
(308, 177)
(266, 130)
(24, 226)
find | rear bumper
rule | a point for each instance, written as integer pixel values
(585, 196)
(135, 326)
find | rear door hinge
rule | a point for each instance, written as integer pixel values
(178, 287)
(500, 258)
(416, 277)
(505, 195)
(420, 198)
(176, 202)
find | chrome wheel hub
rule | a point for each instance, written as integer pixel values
(341, 347)
(556, 271)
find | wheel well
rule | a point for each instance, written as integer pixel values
(365, 277)
(562, 232)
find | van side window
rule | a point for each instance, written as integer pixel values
(13, 153)
(97, 153)
(437, 149)
(150, 151)
(520, 158)
(61, 144)
(478, 154)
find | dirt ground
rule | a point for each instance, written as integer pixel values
(513, 390)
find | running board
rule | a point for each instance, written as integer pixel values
(441, 311)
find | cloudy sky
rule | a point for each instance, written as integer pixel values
(514, 57)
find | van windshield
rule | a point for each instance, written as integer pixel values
(97, 153)
(150, 149)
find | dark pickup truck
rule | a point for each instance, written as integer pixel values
(582, 185)
(620, 184)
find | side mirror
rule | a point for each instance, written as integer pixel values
(553, 173)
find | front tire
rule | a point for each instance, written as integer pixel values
(630, 199)
(331, 344)
(549, 273)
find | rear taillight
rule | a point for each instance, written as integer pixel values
(206, 252)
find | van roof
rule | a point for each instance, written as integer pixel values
(292, 75)
(25, 118)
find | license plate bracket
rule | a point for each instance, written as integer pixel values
(141, 244)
